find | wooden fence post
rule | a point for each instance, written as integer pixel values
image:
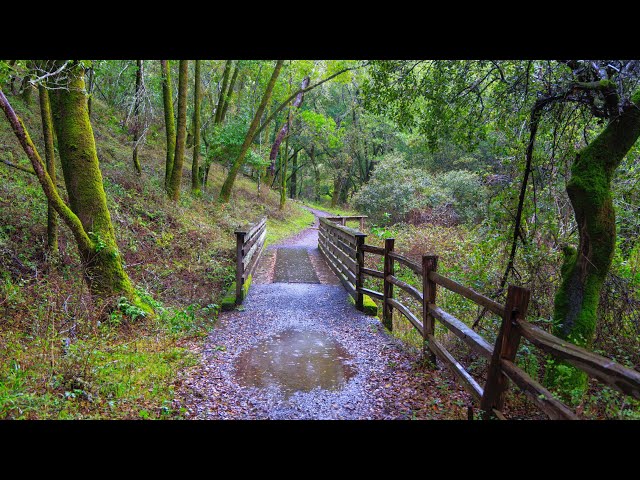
(359, 266)
(361, 224)
(387, 310)
(239, 266)
(506, 348)
(429, 264)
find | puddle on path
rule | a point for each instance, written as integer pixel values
(296, 360)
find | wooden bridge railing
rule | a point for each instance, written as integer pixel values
(343, 220)
(249, 245)
(344, 248)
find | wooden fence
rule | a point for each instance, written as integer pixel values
(343, 220)
(345, 248)
(249, 245)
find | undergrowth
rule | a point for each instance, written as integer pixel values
(62, 355)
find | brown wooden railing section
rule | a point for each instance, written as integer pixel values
(249, 245)
(344, 249)
(343, 220)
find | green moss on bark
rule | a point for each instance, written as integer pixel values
(181, 133)
(585, 269)
(83, 179)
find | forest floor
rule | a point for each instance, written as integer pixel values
(298, 349)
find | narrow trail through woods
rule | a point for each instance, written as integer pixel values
(298, 349)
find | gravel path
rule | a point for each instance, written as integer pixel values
(378, 377)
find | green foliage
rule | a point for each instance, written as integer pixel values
(395, 189)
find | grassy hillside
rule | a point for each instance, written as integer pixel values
(60, 355)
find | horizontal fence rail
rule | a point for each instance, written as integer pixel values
(249, 246)
(344, 249)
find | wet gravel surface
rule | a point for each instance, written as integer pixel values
(387, 379)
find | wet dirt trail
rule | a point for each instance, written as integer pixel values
(298, 349)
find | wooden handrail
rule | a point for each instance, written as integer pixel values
(345, 249)
(605, 370)
(249, 246)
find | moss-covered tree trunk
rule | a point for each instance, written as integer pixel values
(227, 97)
(585, 269)
(225, 191)
(284, 165)
(169, 121)
(101, 258)
(47, 131)
(181, 132)
(196, 179)
(293, 189)
(136, 117)
(223, 91)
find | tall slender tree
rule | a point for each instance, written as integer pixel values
(169, 121)
(136, 117)
(47, 131)
(181, 132)
(196, 180)
(225, 192)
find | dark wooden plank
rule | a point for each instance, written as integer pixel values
(239, 266)
(407, 313)
(469, 293)
(372, 293)
(468, 382)
(339, 266)
(345, 283)
(604, 369)
(252, 266)
(352, 232)
(344, 258)
(463, 332)
(410, 289)
(248, 243)
(348, 240)
(505, 349)
(359, 283)
(249, 230)
(554, 408)
(335, 236)
(373, 249)
(405, 261)
(373, 273)
(387, 309)
(248, 256)
(429, 264)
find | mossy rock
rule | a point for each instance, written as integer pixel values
(229, 300)
(369, 306)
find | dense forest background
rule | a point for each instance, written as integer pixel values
(470, 160)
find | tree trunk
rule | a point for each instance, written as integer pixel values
(169, 121)
(316, 171)
(227, 97)
(181, 133)
(76, 144)
(90, 91)
(47, 131)
(285, 128)
(293, 188)
(585, 269)
(136, 119)
(284, 161)
(337, 186)
(223, 91)
(196, 181)
(225, 192)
